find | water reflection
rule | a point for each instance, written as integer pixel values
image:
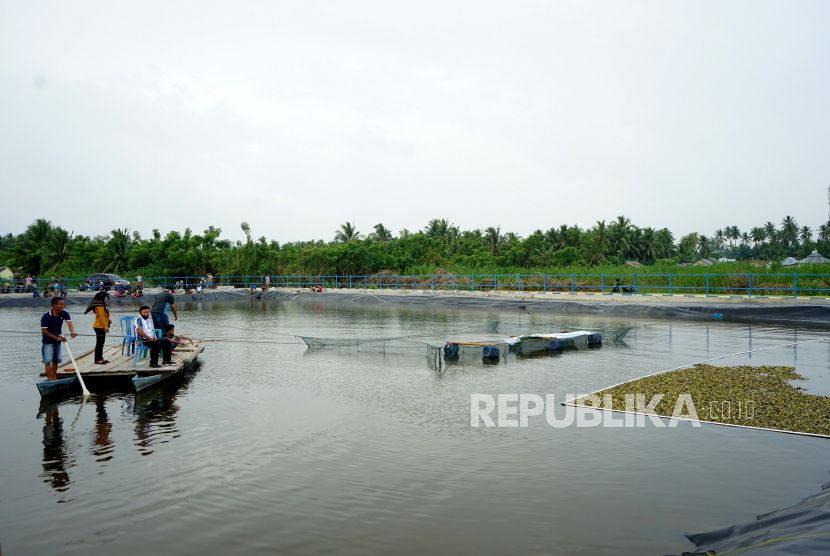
(156, 411)
(56, 460)
(155, 422)
(102, 445)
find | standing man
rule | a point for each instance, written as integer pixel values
(140, 280)
(267, 283)
(50, 327)
(160, 302)
(144, 330)
(28, 283)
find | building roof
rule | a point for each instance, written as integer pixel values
(814, 258)
(635, 264)
(704, 262)
(789, 261)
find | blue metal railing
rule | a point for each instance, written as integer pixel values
(751, 285)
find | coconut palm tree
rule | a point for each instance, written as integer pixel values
(494, 239)
(734, 235)
(824, 232)
(39, 231)
(665, 241)
(57, 247)
(720, 236)
(601, 235)
(116, 253)
(439, 229)
(649, 248)
(789, 231)
(703, 245)
(381, 233)
(347, 232)
(758, 235)
(806, 234)
(247, 229)
(620, 232)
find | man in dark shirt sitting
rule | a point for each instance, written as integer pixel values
(161, 300)
(50, 327)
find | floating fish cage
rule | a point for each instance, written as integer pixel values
(525, 345)
(460, 352)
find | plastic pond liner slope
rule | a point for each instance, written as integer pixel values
(800, 529)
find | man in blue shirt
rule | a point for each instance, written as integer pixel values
(50, 326)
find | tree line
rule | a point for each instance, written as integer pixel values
(46, 249)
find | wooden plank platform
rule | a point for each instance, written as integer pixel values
(122, 365)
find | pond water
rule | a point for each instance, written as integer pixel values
(270, 447)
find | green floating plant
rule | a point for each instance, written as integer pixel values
(743, 395)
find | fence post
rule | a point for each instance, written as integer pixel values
(635, 283)
(350, 281)
(452, 278)
(795, 286)
(396, 282)
(364, 282)
(474, 282)
(602, 283)
(546, 282)
(707, 284)
(520, 283)
(432, 285)
(572, 282)
(669, 283)
(495, 282)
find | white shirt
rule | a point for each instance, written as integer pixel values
(146, 325)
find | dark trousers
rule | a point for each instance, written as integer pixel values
(160, 320)
(155, 347)
(100, 336)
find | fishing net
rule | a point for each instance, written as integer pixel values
(378, 345)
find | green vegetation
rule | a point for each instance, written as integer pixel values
(749, 396)
(439, 248)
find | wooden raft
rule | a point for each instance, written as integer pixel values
(122, 365)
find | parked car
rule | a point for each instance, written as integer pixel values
(94, 281)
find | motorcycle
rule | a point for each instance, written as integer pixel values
(625, 289)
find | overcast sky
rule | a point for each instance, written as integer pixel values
(299, 116)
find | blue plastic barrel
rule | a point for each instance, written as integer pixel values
(490, 352)
(450, 350)
(555, 344)
(595, 339)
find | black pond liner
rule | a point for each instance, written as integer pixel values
(800, 529)
(803, 314)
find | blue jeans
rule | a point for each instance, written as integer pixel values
(51, 353)
(160, 321)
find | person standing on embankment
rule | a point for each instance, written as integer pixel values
(51, 324)
(160, 320)
(102, 323)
